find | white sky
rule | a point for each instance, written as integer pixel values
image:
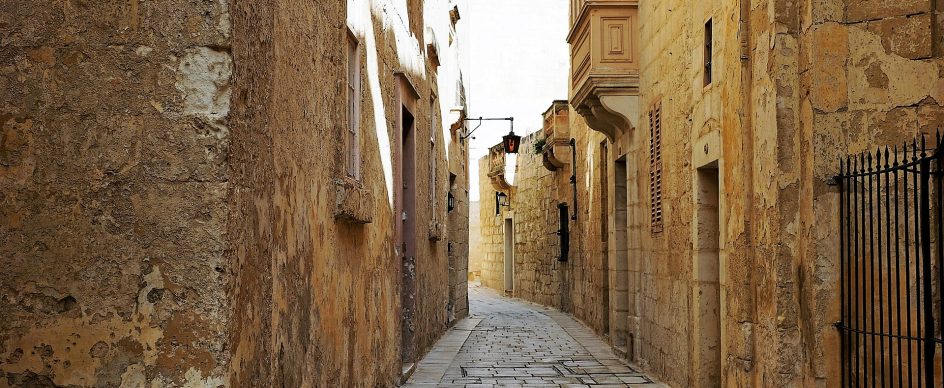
(515, 60)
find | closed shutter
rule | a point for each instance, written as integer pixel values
(655, 167)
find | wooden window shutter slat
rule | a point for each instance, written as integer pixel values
(655, 168)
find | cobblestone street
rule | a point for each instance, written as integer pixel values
(507, 342)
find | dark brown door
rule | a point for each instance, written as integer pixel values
(407, 248)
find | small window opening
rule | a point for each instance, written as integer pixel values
(708, 52)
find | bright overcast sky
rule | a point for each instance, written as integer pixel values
(515, 57)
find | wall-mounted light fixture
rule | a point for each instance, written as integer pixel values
(450, 202)
(511, 141)
(501, 199)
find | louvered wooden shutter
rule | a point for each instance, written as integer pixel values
(655, 167)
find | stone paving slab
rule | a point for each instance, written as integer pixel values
(511, 343)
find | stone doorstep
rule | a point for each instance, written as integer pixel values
(407, 372)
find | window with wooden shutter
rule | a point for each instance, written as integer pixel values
(655, 167)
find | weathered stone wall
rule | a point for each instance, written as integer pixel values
(113, 183)
(578, 286)
(819, 79)
(459, 241)
(588, 269)
(491, 230)
(861, 75)
(476, 248)
(537, 271)
(291, 146)
(160, 161)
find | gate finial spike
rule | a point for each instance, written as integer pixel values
(886, 156)
(868, 158)
(895, 160)
(924, 152)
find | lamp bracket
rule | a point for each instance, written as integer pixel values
(481, 119)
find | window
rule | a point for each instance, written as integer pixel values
(433, 156)
(708, 52)
(655, 167)
(352, 140)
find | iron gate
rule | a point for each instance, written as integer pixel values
(890, 263)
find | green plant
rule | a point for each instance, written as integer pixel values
(539, 146)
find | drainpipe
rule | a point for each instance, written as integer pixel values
(747, 151)
(573, 177)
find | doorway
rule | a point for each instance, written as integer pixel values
(406, 214)
(707, 266)
(509, 256)
(605, 256)
(620, 248)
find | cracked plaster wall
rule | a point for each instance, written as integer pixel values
(113, 181)
(164, 181)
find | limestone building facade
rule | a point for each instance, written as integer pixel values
(714, 129)
(253, 193)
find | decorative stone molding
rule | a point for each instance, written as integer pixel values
(353, 203)
(457, 116)
(604, 63)
(432, 48)
(437, 230)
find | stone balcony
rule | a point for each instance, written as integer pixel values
(556, 133)
(496, 168)
(605, 64)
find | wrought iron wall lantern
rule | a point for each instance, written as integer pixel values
(450, 202)
(501, 199)
(511, 141)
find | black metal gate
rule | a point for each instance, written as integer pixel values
(890, 262)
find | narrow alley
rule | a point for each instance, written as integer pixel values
(471, 193)
(512, 343)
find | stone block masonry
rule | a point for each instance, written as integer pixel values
(578, 285)
(168, 192)
(706, 240)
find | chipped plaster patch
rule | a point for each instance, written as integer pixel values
(143, 51)
(203, 79)
(224, 25)
(195, 380)
(71, 340)
(872, 69)
(133, 377)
